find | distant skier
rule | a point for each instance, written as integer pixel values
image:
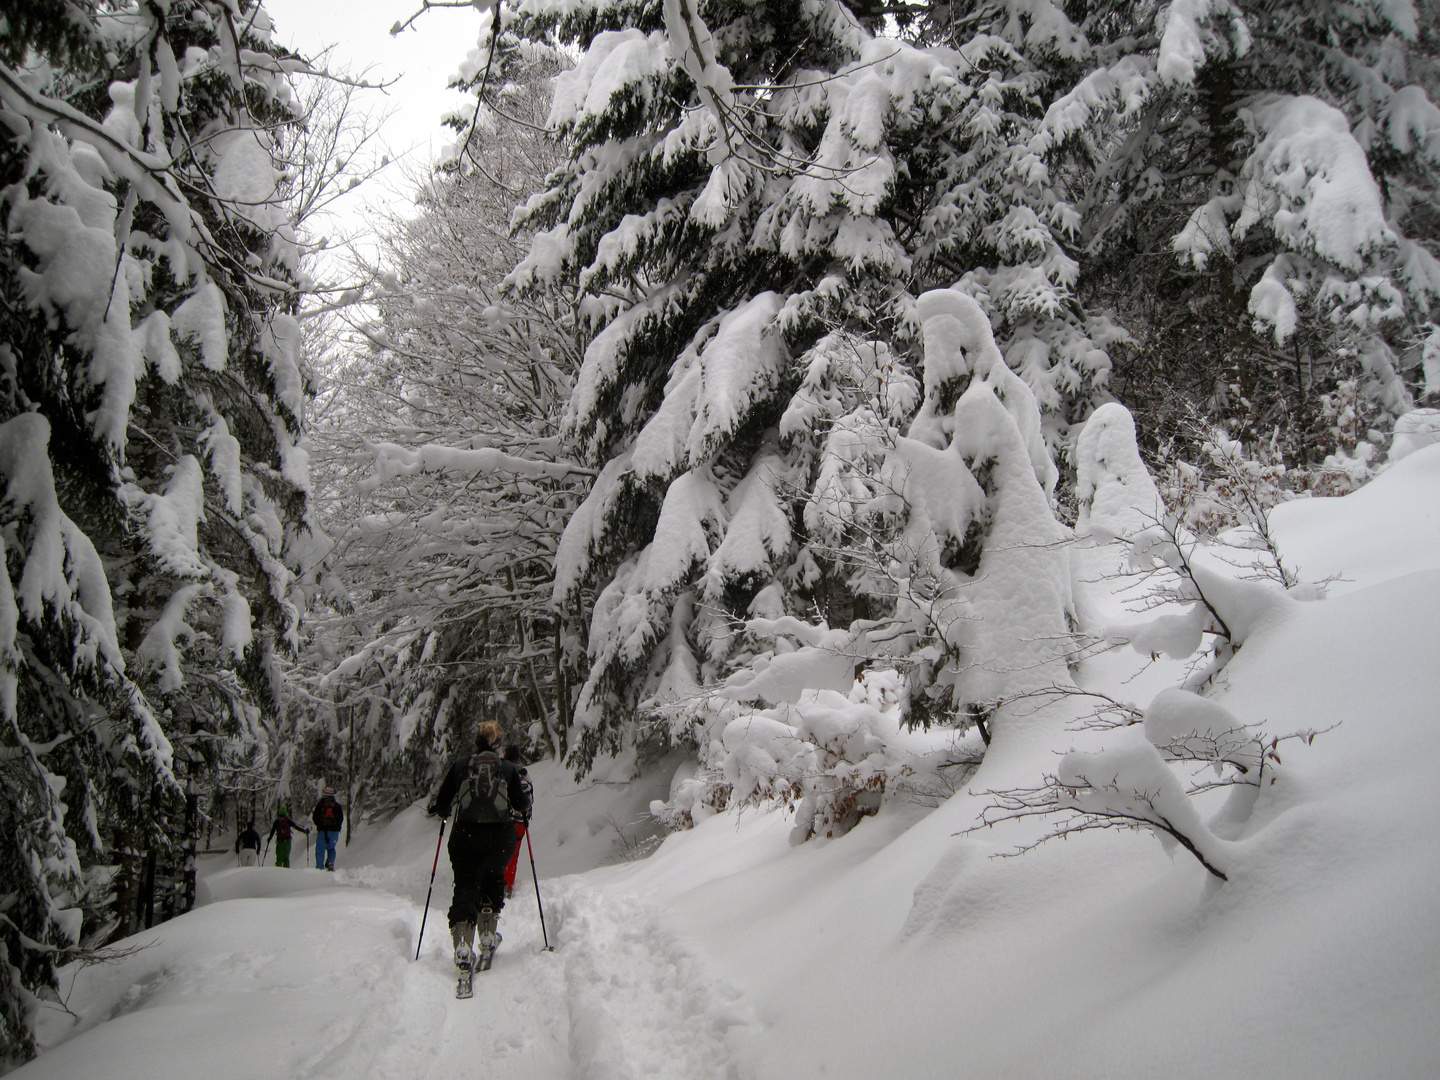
(488, 794)
(281, 832)
(512, 755)
(247, 845)
(328, 816)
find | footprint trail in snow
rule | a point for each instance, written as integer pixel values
(619, 998)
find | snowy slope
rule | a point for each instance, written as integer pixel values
(902, 949)
(1099, 956)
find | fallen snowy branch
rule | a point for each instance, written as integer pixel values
(392, 461)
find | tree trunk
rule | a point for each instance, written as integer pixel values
(562, 694)
(187, 871)
(350, 780)
(541, 711)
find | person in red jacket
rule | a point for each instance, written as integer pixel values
(512, 755)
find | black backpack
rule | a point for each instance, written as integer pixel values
(485, 795)
(329, 815)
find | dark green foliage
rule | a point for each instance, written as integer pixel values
(153, 492)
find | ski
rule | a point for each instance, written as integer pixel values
(465, 984)
(489, 940)
(465, 962)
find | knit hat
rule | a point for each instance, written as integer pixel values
(329, 791)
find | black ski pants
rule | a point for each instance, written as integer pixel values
(479, 855)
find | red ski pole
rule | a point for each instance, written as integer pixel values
(433, 868)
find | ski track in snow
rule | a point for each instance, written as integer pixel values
(325, 978)
(639, 1004)
(619, 998)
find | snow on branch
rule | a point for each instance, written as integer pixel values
(149, 173)
(61, 572)
(1193, 31)
(1130, 81)
(1128, 785)
(691, 45)
(826, 661)
(1133, 781)
(392, 461)
(1312, 180)
(831, 755)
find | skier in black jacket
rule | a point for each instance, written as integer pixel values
(328, 816)
(247, 845)
(488, 795)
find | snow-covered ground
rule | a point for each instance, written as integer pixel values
(901, 949)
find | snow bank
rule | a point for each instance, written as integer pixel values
(1387, 529)
(1100, 957)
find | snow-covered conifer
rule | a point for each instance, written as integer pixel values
(158, 494)
(1255, 182)
(741, 209)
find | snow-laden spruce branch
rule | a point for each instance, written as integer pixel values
(149, 171)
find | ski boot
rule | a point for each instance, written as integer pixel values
(489, 938)
(463, 934)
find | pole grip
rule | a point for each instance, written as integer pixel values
(435, 865)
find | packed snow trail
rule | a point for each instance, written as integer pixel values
(299, 973)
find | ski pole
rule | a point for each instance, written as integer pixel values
(536, 878)
(435, 865)
(267, 851)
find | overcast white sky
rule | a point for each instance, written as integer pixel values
(421, 60)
